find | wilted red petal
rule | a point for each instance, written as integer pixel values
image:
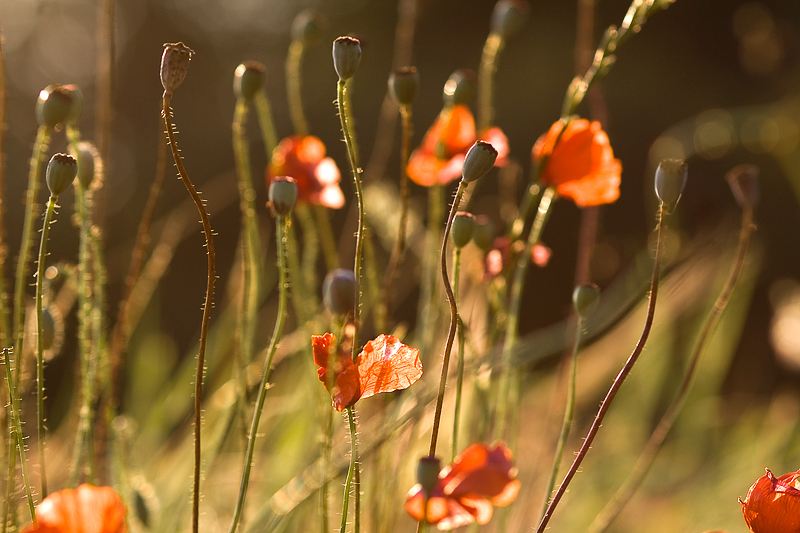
(386, 365)
(773, 504)
(341, 380)
(86, 509)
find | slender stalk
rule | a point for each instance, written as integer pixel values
(428, 302)
(329, 242)
(4, 316)
(294, 60)
(491, 49)
(310, 254)
(20, 444)
(618, 381)
(326, 457)
(283, 286)
(209, 235)
(300, 297)
(460, 371)
(265, 123)
(635, 478)
(351, 473)
(515, 292)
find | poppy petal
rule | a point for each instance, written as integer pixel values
(386, 365)
(87, 509)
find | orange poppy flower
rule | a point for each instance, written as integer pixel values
(384, 365)
(773, 504)
(581, 166)
(440, 157)
(479, 478)
(86, 509)
(317, 176)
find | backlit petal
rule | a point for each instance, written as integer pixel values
(386, 365)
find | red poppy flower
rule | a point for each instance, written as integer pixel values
(86, 509)
(440, 157)
(467, 490)
(317, 176)
(581, 166)
(773, 504)
(384, 365)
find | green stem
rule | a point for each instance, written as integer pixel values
(20, 444)
(428, 302)
(294, 60)
(491, 49)
(299, 293)
(326, 459)
(351, 472)
(329, 248)
(265, 375)
(460, 371)
(265, 123)
(310, 254)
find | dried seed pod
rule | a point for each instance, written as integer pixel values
(61, 172)
(479, 160)
(670, 180)
(174, 65)
(346, 57)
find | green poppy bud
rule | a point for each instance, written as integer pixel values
(346, 56)
(403, 85)
(670, 180)
(463, 228)
(282, 195)
(743, 180)
(428, 473)
(88, 161)
(483, 234)
(479, 160)
(54, 106)
(308, 26)
(248, 79)
(509, 17)
(174, 65)
(585, 299)
(461, 87)
(339, 291)
(61, 172)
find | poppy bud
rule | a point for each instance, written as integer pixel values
(76, 107)
(339, 291)
(248, 79)
(463, 228)
(403, 85)
(509, 16)
(670, 180)
(88, 159)
(282, 195)
(54, 105)
(743, 180)
(585, 299)
(61, 172)
(483, 234)
(346, 57)
(428, 473)
(479, 160)
(174, 65)
(773, 504)
(460, 87)
(308, 26)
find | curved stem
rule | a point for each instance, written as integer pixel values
(294, 95)
(351, 472)
(262, 392)
(491, 49)
(635, 478)
(623, 374)
(17, 434)
(166, 114)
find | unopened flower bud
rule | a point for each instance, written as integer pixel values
(743, 180)
(282, 195)
(54, 105)
(346, 57)
(174, 65)
(670, 180)
(428, 473)
(248, 79)
(61, 172)
(463, 228)
(585, 299)
(308, 26)
(339, 291)
(403, 85)
(88, 162)
(460, 87)
(483, 234)
(479, 160)
(509, 16)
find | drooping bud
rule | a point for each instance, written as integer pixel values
(308, 26)
(670, 180)
(483, 234)
(585, 299)
(509, 16)
(339, 291)
(174, 65)
(54, 106)
(88, 161)
(743, 180)
(282, 195)
(479, 160)
(403, 85)
(248, 79)
(463, 228)
(61, 172)
(428, 473)
(460, 87)
(346, 56)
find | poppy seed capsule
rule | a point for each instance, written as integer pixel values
(61, 172)
(54, 105)
(670, 180)
(585, 299)
(88, 159)
(174, 65)
(248, 79)
(403, 85)
(308, 26)
(339, 291)
(743, 180)
(460, 87)
(428, 473)
(509, 17)
(463, 228)
(483, 233)
(346, 57)
(479, 160)
(282, 195)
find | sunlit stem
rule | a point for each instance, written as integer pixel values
(618, 381)
(17, 434)
(635, 478)
(515, 292)
(491, 49)
(294, 61)
(283, 287)
(300, 298)
(329, 247)
(265, 123)
(310, 253)
(460, 369)
(351, 474)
